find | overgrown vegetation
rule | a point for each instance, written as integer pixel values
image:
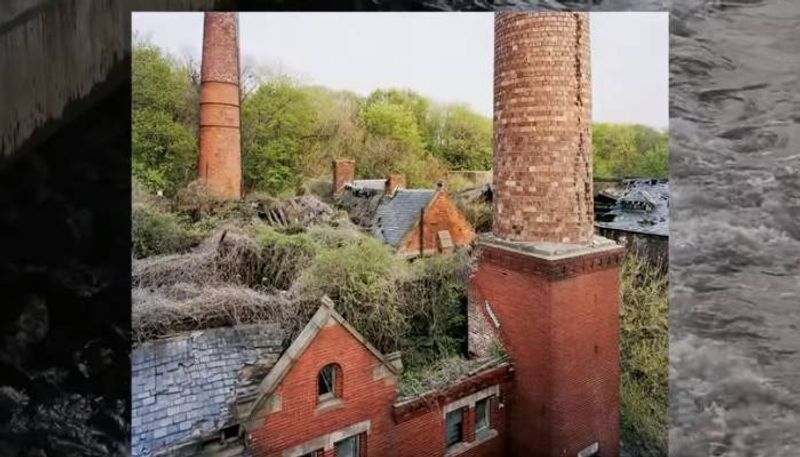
(620, 151)
(291, 131)
(644, 355)
(240, 272)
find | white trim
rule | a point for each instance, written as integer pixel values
(590, 450)
(470, 400)
(489, 310)
(327, 441)
(480, 438)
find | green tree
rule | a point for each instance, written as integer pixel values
(276, 121)
(462, 139)
(394, 122)
(164, 138)
(629, 151)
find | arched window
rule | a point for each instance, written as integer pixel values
(329, 382)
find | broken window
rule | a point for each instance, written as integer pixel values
(329, 382)
(454, 426)
(482, 415)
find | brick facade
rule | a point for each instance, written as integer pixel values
(542, 127)
(544, 284)
(344, 172)
(559, 321)
(440, 215)
(298, 422)
(220, 161)
(395, 182)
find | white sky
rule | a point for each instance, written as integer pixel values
(445, 56)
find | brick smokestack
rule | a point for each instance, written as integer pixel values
(551, 285)
(220, 164)
(344, 172)
(394, 182)
(543, 98)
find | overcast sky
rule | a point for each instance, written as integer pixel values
(445, 56)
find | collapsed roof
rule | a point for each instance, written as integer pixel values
(642, 208)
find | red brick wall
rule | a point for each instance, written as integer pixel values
(363, 397)
(562, 333)
(393, 182)
(441, 214)
(220, 161)
(344, 171)
(424, 435)
(542, 162)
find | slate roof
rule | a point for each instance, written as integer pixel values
(183, 387)
(397, 215)
(655, 222)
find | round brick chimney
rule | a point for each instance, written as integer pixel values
(220, 163)
(542, 125)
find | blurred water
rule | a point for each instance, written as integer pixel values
(735, 228)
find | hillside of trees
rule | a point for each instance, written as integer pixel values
(291, 131)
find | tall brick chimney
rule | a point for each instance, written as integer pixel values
(220, 164)
(344, 172)
(551, 286)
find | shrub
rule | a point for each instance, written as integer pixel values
(644, 351)
(285, 254)
(479, 213)
(435, 300)
(155, 232)
(363, 281)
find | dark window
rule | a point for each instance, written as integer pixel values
(328, 381)
(348, 447)
(454, 426)
(482, 415)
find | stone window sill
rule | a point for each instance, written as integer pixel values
(480, 438)
(329, 404)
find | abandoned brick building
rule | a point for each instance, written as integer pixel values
(414, 222)
(545, 288)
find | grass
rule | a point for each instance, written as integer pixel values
(644, 350)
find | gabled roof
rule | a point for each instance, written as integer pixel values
(284, 364)
(183, 388)
(396, 216)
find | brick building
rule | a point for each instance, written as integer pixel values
(545, 289)
(415, 222)
(238, 391)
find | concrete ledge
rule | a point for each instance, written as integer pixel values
(480, 438)
(551, 251)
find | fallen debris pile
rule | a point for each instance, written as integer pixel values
(184, 307)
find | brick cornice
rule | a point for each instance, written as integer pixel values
(553, 269)
(416, 407)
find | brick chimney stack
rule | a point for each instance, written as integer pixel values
(545, 285)
(543, 125)
(220, 163)
(394, 182)
(344, 172)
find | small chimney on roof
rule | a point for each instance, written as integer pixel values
(344, 172)
(394, 182)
